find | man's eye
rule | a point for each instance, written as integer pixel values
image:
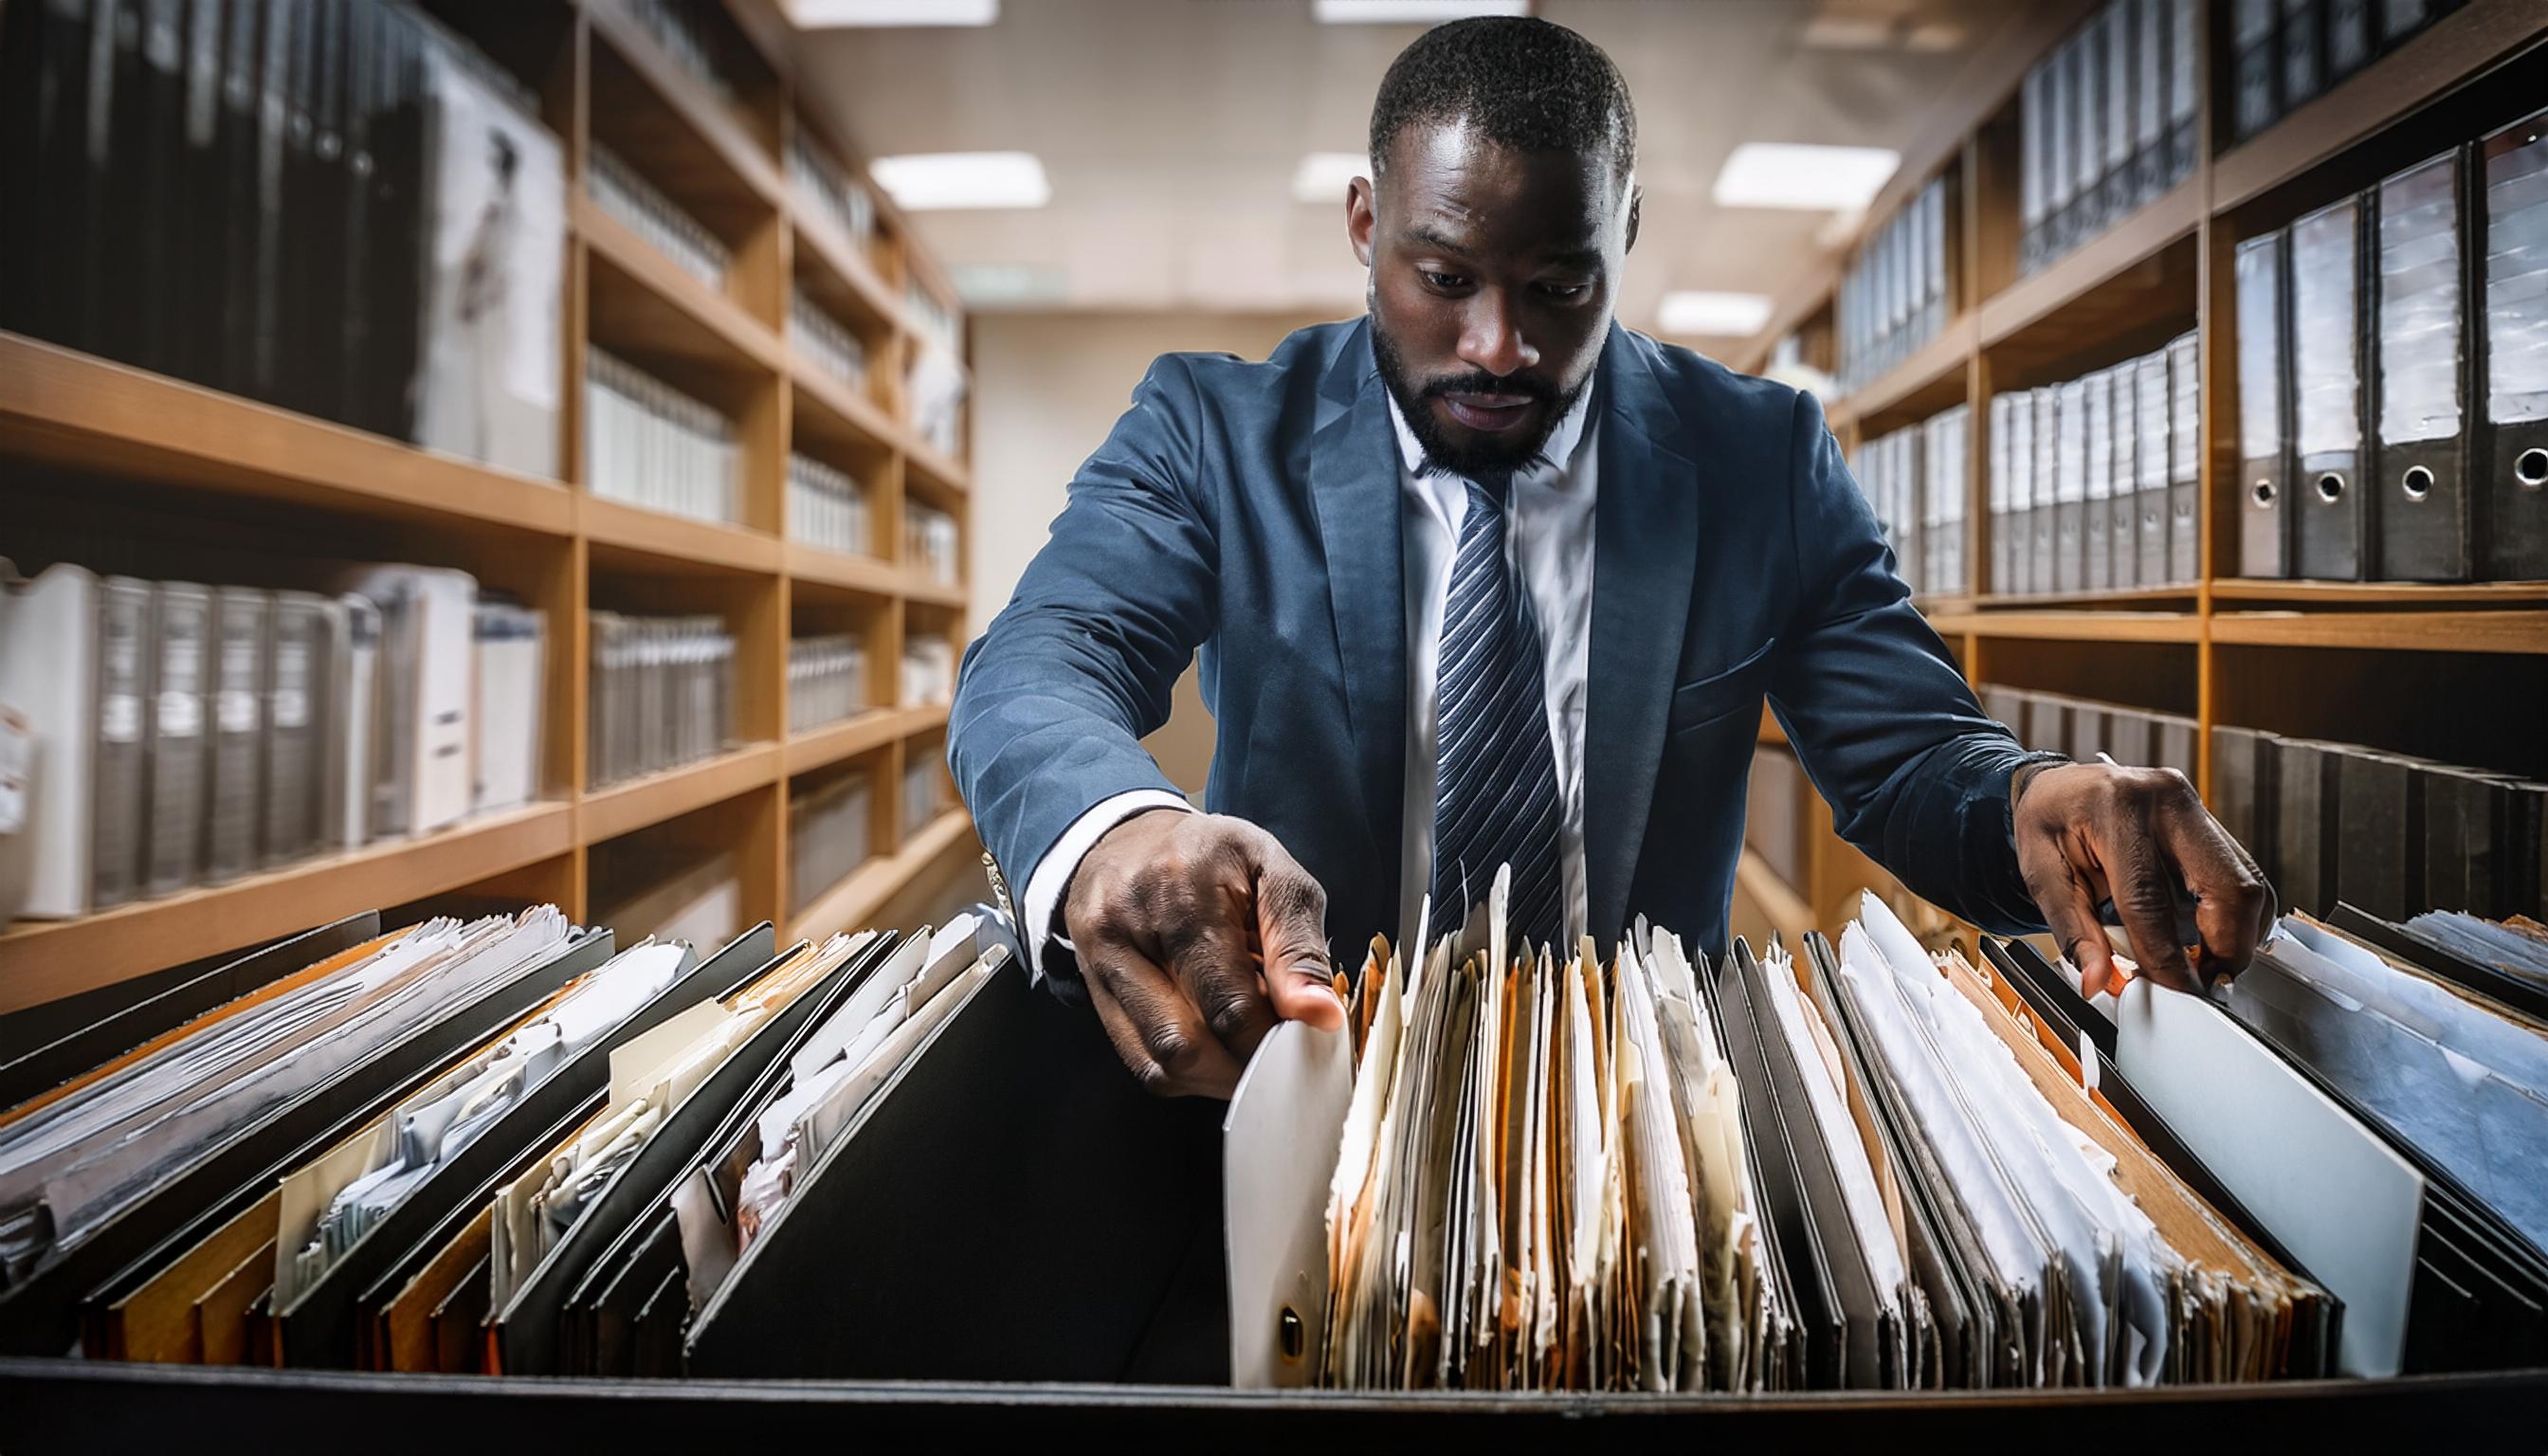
(1566, 290)
(1444, 280)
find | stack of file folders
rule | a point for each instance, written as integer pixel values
(828, 819)
(825, 339)
(2092, 483)
(188, 735)
(1916, 477)
(625, 194)
(826, 680)
(839, 198)
(1859, 1168)
(931, 543)
(2083, 729)
(2390, 833)
(2393, 375)
(1902, 289)
(341, 209)
(2413, 1136)
(928, 669)
(663, 692)
(826, 507)
(2105, 122)
(649, 445)
(692, 37)
(2284, 52)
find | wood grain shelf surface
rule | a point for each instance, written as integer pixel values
(42, 960)
(864, 733)
(833, 413)
(919, 589)
(841, 571)
(2087, 273)
(622, 808)
(2467, 43)
(842, 273)
(852, 903)
(64, 408)
(715, 128)
(2075, 626)
(634, 538)
(2437, 630)
(643, 302)
(2379, 593)
(945, 471)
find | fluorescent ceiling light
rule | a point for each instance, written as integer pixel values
(1323, 176)
(1410, 12)
(1790, 174)
(1007, 285)
(1720, 315)
(817, 14)
(938, 180)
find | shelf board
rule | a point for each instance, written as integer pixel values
(2075, 626)
(2079, 291)
(67, 408)
(939, 469)
(841, 274)
(623, 809)
(838, 568)
(863, 733)
(927, 593)
(45, 961)
(644, 304)
(835, 414)
(635, 538)
(712, 126)
(854, 902)
(2465, 43)
(2440, 630)
(1930, 380)
(1788, 913)
(2378, 594)
(2123, 598)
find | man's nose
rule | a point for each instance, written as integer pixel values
(1491, 336)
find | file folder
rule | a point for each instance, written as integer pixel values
(2466, 819)
(2513, 500)
(2380, 863)
(2149, 99)
(2121, 126)
(296, 690)
(2185, 50)
(2246, 793)
(2256, 66)
(2264, 515)
(2185, 458)
(2345, 37)
(242, 617)
(2088, 129)
(2034, 165)
(2303, 58)
(180, 736)
(2420, 526)
(2327, 394)
(2122, 500)
(2003, 408)
(2308, 824)
(2097, 517)
(2061, 152)
(2154, 454)
(2069, 564)
(123, 668)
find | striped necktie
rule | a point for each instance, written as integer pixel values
(1494, 785)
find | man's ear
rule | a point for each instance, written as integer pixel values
(1636, 201)
(1360, 218)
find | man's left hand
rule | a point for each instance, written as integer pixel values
(2090, 831)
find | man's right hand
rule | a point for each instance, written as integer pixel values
(1196, 933)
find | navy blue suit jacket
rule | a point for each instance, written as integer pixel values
(1252, 510)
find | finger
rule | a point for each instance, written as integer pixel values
(2071, 913)
(1156, 1031)
(1292, 930)
(2145, 889)
(2229, 894)
(1209, 962)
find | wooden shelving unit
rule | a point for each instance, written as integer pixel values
(236, 465)
(2373, 662)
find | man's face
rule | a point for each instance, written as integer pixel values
(1493, 273)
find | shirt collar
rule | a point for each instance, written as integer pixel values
(1557, 454)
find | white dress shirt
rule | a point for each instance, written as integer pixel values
(1548, 532)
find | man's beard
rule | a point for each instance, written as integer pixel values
(1489, 463)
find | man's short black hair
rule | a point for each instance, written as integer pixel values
(1524, 82)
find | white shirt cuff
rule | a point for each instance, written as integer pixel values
(1039, 916)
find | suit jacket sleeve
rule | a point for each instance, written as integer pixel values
(1880, 715)
(1053, 698)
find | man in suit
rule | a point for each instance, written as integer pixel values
(1485, 578)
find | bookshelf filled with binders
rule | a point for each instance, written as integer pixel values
(682, 505)
(2237, 380)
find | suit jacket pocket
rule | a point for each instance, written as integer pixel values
(1710, 699)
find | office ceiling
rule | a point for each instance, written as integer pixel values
(1170, 130)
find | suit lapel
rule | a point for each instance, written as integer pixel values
(1645, 547)
(1353, 479)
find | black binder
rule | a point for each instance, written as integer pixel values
(2326, 364)
(2264, 520)
(2345, 37)
(2255, 66)
(2513, 500)
(2419, 410)
(2465, 816)
(2308, 824)
(2301, 41)
(1035, 1099)
(2244, 790)
(2380, 863)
